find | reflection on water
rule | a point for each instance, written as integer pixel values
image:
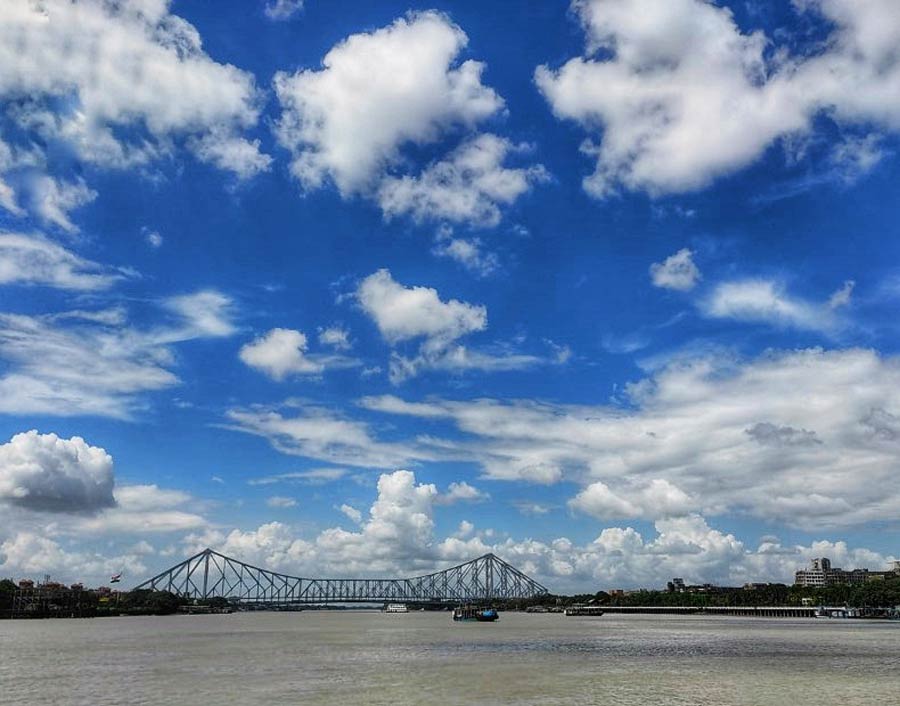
(371, 658)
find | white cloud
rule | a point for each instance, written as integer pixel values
(281, 502)
(35, 260)
(126, 67)
(280, 10)
(469, 253)
(842, 296)
(230, 153)
(313, 476)
(530, 508)
(408, 313)
(93, 363)
(658, 498)
(279, 353)
(319, 433)
(682, 95)
(52, 200)
(397, 537)
(335, 336)
(467, 186)
(765, 301)
(34, 554)
(808, 438)
(677, 272)
(82, 368)
(46, 473)
(462, 492)
(205, 313)
(403, 313)
(141, 510)
(153, 238)
(351, 512)
(375, 93)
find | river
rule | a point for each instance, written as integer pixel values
(318, 657)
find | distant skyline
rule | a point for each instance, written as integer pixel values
(607, 289)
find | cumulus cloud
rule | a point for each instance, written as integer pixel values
(380, 93)
(462, 492)
(115, 85)
(395, 534)
(279, 353)
(29, 553)
(35, 260)
(682, 95)
(677, 272)
(468, 186)
(44, 472)
(405, 314)
(658, 498)
(397, 537)
(805, 437)
(376, 92)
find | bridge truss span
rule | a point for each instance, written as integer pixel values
(210, 574)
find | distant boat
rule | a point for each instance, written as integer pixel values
(395, 608)
(583, 610)
(473, 613)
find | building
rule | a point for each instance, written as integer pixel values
(821, 574)
(676, 586)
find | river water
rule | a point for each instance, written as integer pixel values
(319, 657)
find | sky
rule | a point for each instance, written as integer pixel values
(373, 288)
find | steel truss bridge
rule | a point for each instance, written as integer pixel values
(210, 574)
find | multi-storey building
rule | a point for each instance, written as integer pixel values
(821, 573)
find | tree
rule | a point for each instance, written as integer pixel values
(7, 591)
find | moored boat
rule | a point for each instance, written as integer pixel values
(395, 608)
(474, 613)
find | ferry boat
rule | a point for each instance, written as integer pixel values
(582, 610)
(473, 613)
(395, 608)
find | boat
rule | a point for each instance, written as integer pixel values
(395, 608)
(584, 610)
(474, 613)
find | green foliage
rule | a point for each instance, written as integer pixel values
(7, 590)
(147, 602)
(877, 594)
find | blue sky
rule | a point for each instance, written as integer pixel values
(608, 289)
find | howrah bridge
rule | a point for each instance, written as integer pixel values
(210, 574)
